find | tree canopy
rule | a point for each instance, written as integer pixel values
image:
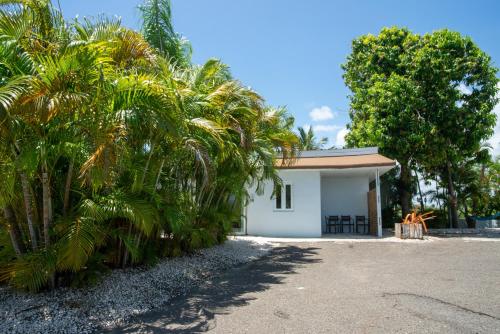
(424, 100)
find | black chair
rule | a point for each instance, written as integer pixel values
(346, 221)
(332, 221)
(361, 221)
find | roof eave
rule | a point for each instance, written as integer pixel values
(393, 164)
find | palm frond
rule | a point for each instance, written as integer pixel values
(79, 241)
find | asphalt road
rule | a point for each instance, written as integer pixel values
(444, 286)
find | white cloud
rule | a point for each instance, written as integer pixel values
(340, 138)
(326, 128)
(322, 114)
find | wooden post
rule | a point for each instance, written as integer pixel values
(397, 230)
(379, 204)
(405, 233)
(419, 231)
(408, 231)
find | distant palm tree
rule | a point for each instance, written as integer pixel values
(158, 31)
(308, 140)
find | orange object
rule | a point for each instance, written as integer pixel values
(414, 218)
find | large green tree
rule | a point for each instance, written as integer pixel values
(424, 100)
(458, 87)
(384, 100)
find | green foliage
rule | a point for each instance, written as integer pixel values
(7, 253)
(426, 101)
(308, 140)
(30, 272)
(95, 269)
(478, 187)
(115, 150)
(159, 32)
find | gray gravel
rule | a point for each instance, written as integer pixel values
(122, 294)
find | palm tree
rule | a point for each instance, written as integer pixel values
(122, 142)
(158, 30)
(309, 141)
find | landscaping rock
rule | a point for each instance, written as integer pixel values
(120, 295)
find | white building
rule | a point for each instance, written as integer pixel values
(316, 186)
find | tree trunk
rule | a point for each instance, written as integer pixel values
(422, 205)
(46, 208)
(67, 188)
(13, 230)
(466, 208)
(157, 183)
(147, 165)
(452, 196)
(29, 210)
(405, 189)
(475, 205)
(125, 255)
(438, 199)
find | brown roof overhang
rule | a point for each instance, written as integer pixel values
(337, 162)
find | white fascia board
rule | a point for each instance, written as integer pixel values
(338, 152)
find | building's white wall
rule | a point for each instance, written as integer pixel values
(304, 220)
(344, 195)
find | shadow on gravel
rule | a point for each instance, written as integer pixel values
(196, 311)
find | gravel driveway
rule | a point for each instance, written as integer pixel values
(442, 286)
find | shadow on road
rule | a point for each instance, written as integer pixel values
(196, 311)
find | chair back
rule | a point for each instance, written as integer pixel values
(333, 219)
(360, 219)
(345, 219)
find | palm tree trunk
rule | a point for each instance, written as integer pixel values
(67, 188)
(157, 182)
(452, 197)
(47, 218)
(125, 255)
(46, 199)
(13, 230)
(29, 210)
(147, 164)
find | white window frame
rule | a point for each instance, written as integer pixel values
(283, 198)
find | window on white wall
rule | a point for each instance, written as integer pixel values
(288, 196)
(283, 197)
(278, 198)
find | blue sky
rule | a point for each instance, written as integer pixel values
(290, 51)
